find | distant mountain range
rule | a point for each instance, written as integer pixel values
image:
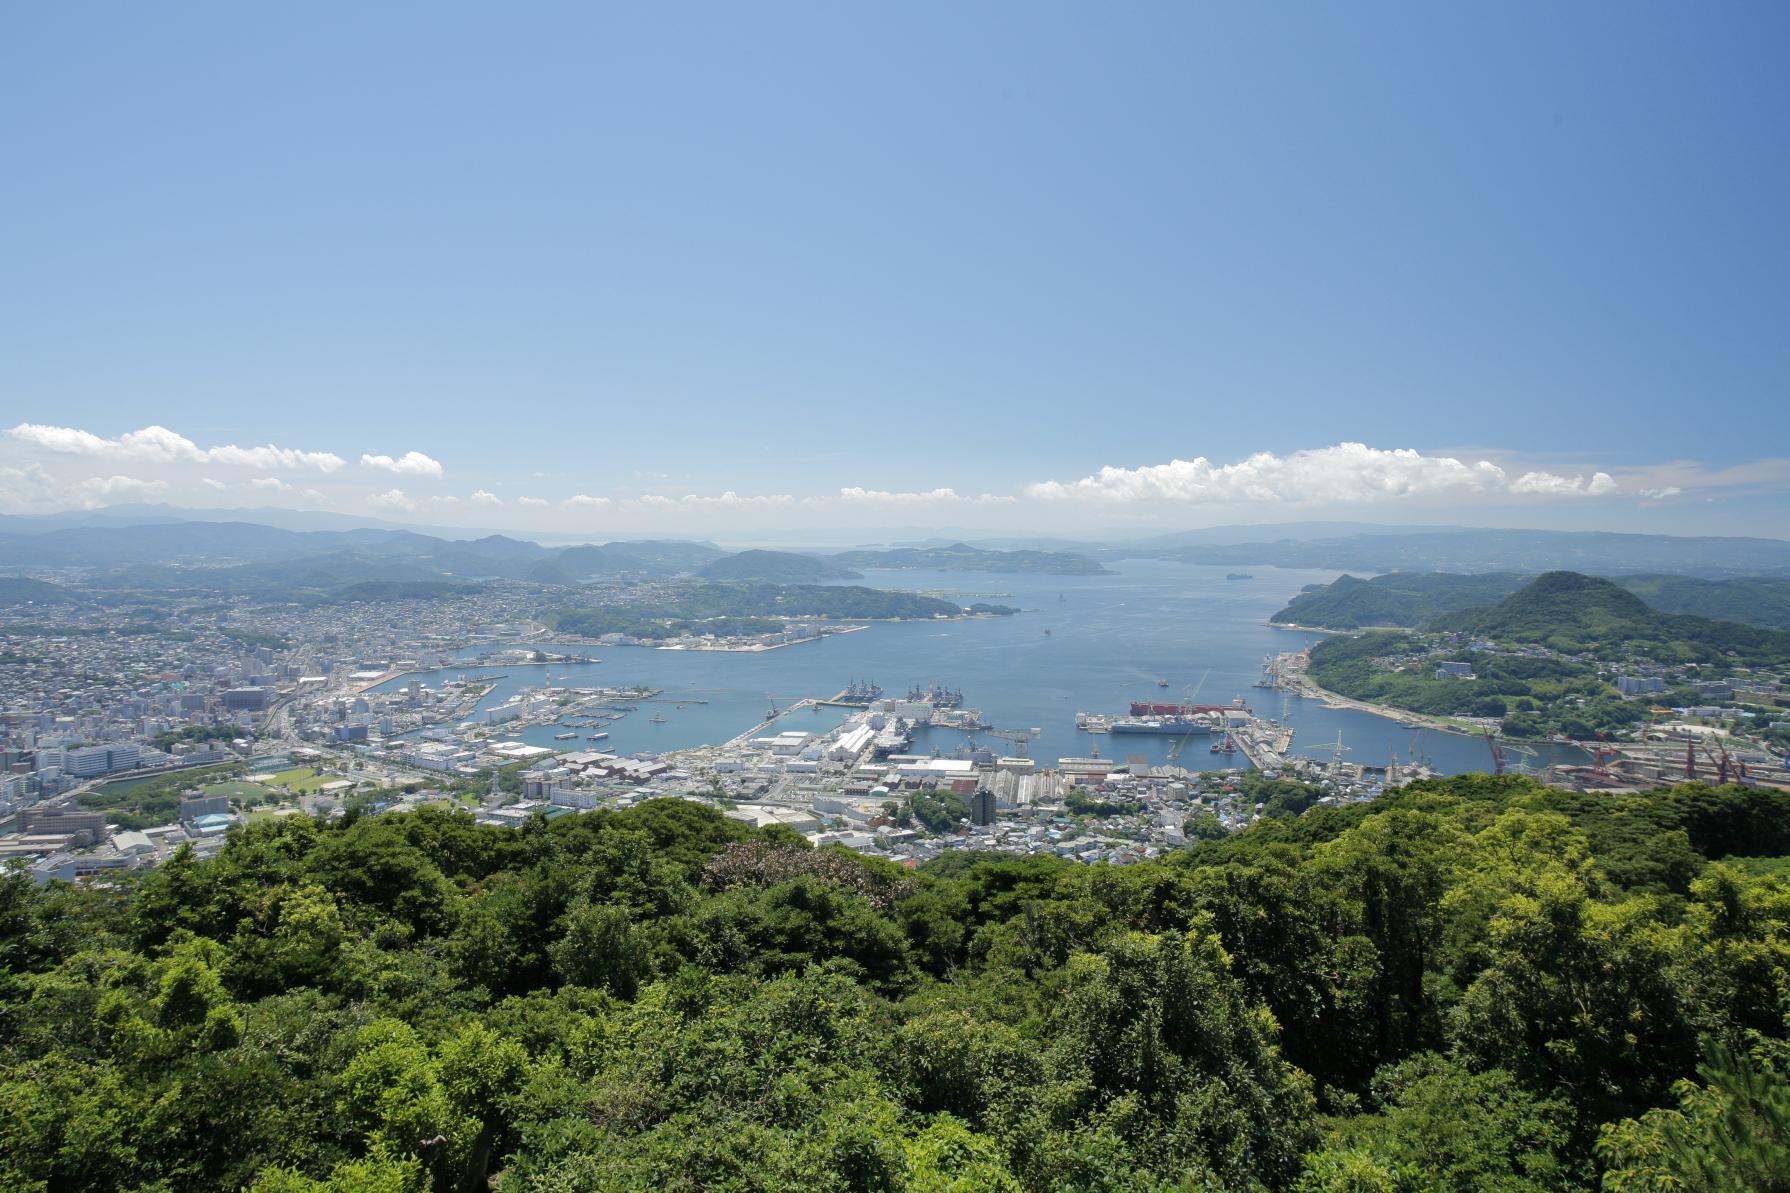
(251, 559)
(150, 546)
(782, 567)
(961, 557)
(1465, 550)
(1412, 600)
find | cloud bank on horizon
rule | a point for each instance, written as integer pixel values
(48, 475)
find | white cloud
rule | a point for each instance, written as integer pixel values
(1661, 494)
(393, 499)
(158, 445)
(212, 483)
(408, 464)
(1553, 485)
(444, 501)
(98, 489)
(534, 501)
(1345, 472)
(482, 497)
(926, 497)
(27, 488)
(269, 456)
(579, 500)
(271, 483)
(730, 498)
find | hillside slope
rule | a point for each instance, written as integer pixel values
(1573, 613)
(781, 567)
(1410, 600)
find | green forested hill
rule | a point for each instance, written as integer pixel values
(681, 607)
(1405, 599)
(1410, 600)
(783, 567)
(1471, 985)
(1571, 613)
(22, 590)
(1752, 600)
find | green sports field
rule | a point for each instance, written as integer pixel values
(236, 790)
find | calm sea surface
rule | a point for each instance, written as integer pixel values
(1111, 638)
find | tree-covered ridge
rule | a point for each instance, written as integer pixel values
(1403, 599)
(1542, 659)
(1412, 600)
(782, 567)
(1571, 613)
(22, 590)
(680, 608)
(1751, 600)
(1473, 984)
(1532, 696)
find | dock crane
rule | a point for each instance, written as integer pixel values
(1727, 769)
(1498, 756)
(1174, 751)
(1193, 693)
(1502, 752)
(1601, 757)
(1180, 743)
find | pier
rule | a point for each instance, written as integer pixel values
(1265, 744)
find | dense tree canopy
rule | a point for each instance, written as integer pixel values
(1471, 984)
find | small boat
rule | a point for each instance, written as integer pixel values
(596, 737)
(658, 718)
(564, 736)
(1162, 683)
(1047, 633)
(1238, 576)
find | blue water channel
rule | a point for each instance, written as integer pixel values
(1110, 639)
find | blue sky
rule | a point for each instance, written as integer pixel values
(833, 259)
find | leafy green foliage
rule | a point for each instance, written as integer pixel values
(746, 607)
(1572, 613)
(780, 567)
(1473, 984)
(1414, 599)
(1407, 599)
(938, 809)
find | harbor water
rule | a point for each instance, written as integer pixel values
(1082, 643)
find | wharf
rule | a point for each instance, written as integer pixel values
(1264, 743)
(758, 730)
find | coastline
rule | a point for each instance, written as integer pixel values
(1300, 683)
(1402, 716)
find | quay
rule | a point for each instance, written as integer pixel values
(1265, 744)
(758, 730)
